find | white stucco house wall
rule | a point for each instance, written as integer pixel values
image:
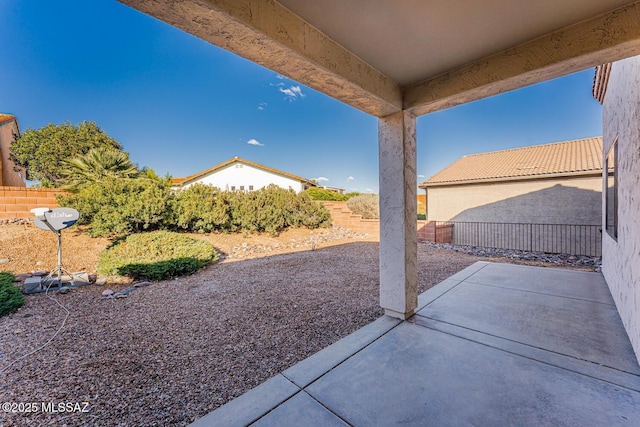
(243, 175)
(617, 87)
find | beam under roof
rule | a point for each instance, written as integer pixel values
(605, 38)
(271, 35)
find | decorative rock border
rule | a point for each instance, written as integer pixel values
(334, 233)
(110, 294)
(557, 259)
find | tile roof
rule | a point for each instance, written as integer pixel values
(600, 81)
(579, 157)
(6, 117)
(185, 180)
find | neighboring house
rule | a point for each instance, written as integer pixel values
(8, 131)
(558, 183)
(335, 189)
(617, 87)
(242, 175)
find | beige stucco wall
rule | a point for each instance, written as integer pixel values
(8, 175)
(550, 201)
(621, 258)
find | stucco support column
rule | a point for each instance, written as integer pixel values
(398, 213)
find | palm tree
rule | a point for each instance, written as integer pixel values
(95, 165)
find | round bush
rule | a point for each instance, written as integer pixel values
(366, 205)
(10, 297)
(156, 255)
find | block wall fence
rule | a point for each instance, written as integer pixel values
(342, 216)
(17, 202)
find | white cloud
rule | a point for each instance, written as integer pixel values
(262, 105)
(255, 142)
(368, 190)
(350, 179)
(322, 179)
(292, 92)
(421, 176)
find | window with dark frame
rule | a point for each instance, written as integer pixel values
(611, 200)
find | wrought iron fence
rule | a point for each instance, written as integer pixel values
(551, 238)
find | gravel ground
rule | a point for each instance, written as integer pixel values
(173, 351)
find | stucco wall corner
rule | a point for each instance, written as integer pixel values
(621, 256)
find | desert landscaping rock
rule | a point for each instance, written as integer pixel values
(21, 277)
(172, 352)
(593, 263)
(141, 284)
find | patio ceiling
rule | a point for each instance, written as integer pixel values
(417, 55)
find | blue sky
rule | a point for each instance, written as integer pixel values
(180, 105)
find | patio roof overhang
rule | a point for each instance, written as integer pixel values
(400, 59)
(415, 55)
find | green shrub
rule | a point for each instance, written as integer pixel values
(156, 255)
(273, 209)
(312, 214)
(366, 205)
(317, 193)
(10, 297)
(120, 206)
(201, 209)
(422, 209)
(270, 209)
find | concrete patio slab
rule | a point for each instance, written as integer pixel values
(418, 376)
(436, 292)
(251, 406)
(573, 284)
(584, 367)
(495, 345)
(582, 329)
(300, 407)
(313, 367)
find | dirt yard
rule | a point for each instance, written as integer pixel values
(173, 351)
(25, 248)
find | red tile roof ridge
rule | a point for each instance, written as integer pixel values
(532, 146)
(6, 117)
(572, 157)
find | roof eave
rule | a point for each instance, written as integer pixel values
(601, 81)
(579, 174)
(191, 179)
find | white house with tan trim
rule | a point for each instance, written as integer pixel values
(238, 174)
